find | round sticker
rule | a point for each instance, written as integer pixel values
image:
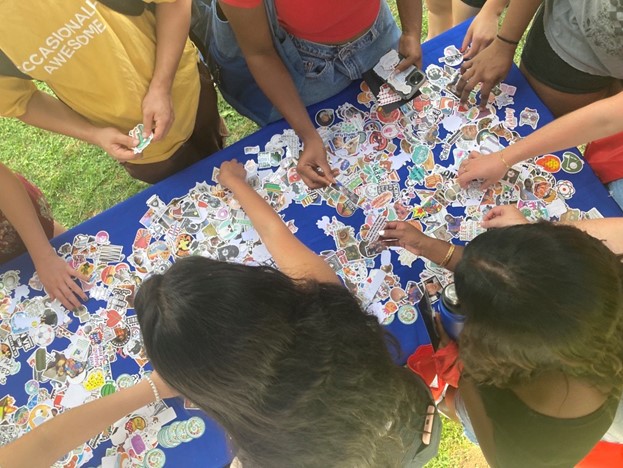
(155, 458)
(196, 427)
(407, 314)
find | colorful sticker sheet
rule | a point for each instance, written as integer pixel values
(393, 166)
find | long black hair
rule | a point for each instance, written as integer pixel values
(539, 298)
(294, 371)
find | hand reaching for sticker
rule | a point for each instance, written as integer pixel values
(488, 167)
(117, 144)
(410, 48)
(480, 34)
(57, 278)
(502, 216)
(403, 234)
(158, 114)
(489, 67)
(313, 166)
(231, 171)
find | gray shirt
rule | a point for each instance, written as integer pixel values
(587, 34)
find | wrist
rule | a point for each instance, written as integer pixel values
(41, 254)
(507, 43)
(161, 85)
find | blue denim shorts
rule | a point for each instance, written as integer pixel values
(461, 412)
(319, 71)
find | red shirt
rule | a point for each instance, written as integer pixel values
(605, 157)
(323, 21)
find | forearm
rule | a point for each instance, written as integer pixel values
(517, 18)
(49, 442)
(410, 13)
(494, 7)
(48, 113)
(172, 26)
(598, 120)
(275, 81)
(17, 207)
(608, 230)
(436, 251)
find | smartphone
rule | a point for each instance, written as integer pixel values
(427, 313)
(408, 82)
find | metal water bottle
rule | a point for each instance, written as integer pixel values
(450, 313)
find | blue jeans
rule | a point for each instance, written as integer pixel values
(616, 191)
(461, 412)
(319, 71)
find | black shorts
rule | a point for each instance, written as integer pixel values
(547, 67)
(474, 3)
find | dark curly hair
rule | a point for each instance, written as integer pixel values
(294, 371)
(539, 298)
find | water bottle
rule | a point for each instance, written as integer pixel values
(450, 313)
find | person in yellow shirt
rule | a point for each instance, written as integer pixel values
(112, 64)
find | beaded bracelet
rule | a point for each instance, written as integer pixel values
(508, 41)
(153, 387)
(446, 260)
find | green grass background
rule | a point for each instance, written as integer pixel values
(81, 180)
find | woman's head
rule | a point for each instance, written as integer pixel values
(293, 371)
(538, 298)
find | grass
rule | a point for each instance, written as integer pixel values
(80, 181)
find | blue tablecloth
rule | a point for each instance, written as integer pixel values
(122, 222)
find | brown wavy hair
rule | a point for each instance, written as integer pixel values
(540, 298)
(294, 371)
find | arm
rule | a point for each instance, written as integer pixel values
(275, 81)
(55, 275)
(402, 234)
(608, 230)
(47, 443)
(290, 254)
(491, 65)
(598, 120)
(483, 29)
(172, 26)
(410, 12)
(48, 113)
(483, 427)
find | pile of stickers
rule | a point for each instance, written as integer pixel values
(387, 173)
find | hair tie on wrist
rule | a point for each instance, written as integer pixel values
(153, 387)
(508, 41)
(446, 260)
(504, 161)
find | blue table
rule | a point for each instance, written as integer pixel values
(121, 224)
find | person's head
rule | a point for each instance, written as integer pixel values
(540, 298)
(294, 371)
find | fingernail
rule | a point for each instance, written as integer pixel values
(382, 232)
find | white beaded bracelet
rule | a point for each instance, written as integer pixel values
(153, 387)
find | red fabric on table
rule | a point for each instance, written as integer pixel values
(603, 455)
(445, 364)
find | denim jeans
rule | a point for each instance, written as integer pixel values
(616, 191)
(319, 71)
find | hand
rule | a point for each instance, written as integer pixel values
(488, 167)
(480, 34)
(489, 67)
(117, 144)
(57, 278)
(502, 216)
(409, 47)
(313, 166)
(231, 171)
(405, 235)
(158, 114)
(164, 390)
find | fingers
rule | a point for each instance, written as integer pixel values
(148, 123)
(492, 213)
(467, 40)
(464, 179)
(444, 339)
(315, 176)
(485, 91)
(406, 63)
(76, 274)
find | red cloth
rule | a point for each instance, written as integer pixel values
(603, 455)
(323, 21)
(443, 364)
(605, 157)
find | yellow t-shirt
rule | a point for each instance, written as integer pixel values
(97, 61)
